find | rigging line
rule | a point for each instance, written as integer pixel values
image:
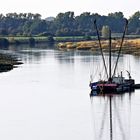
(114, 63)
(91, 71)
(129, 65)
(113, 66)
(103, 71)
(95, 70)
(125, 28)
(100, 47)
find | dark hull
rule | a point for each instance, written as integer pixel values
(111, 88)
(105, 89)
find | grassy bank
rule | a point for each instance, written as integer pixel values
(44, 39)
(5, 41)
(131, 46)
(32, 40)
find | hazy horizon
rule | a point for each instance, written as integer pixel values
(52, 8)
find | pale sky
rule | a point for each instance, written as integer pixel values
(52, 7)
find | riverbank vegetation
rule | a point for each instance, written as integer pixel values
(70, 30)
(130, 46)
(8, 62)
(32, 40)
(29, 28)
(65, 24)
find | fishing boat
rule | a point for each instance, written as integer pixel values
(113, 83)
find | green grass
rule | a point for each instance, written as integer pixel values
(63, 39)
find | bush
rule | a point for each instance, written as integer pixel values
(137, 31)
(45, 34)
(87, 38)
(31, 41)
(105, 31)
(50, 39)
(4, 42)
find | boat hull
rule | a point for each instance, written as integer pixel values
(111, 87)
(103, 87)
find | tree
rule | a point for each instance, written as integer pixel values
(31, 41)
(66, 24)
(105, 31)
(3, 32)
(134, 22)
(117, 15)
(115, 21)
(138, 31)
(37, 16)
(50, 39)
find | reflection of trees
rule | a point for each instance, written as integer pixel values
(36, 53)
(65, 57)
(73, 56)
(30, 53)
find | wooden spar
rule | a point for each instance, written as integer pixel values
(100, 47)
(120, 46)
(110, 79)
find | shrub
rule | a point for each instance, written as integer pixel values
(105, 31)
(87, 38)
(31, 41)
(4, 42)
(50, 39)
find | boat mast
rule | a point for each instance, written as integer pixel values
(110, 79)
(125, 28)
(100, 47)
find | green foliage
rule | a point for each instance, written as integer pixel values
(137, 31)
(45, 34)
(105, 31)
(134, 23)
(3, 32)
(65, 24)
(4, 42)
(31, 41)
(50, 39)
(87, 37)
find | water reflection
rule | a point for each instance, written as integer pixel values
(32, 105)
(38, 52)
(29, 53)
(111, 116)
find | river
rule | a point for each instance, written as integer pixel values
(48, 98)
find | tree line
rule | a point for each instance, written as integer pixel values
(65, 24)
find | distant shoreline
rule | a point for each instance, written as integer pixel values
(32, 40)
(130, 46)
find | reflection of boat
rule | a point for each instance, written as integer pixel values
(113, 83)
(109, 121)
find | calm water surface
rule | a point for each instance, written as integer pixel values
(48, 98)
